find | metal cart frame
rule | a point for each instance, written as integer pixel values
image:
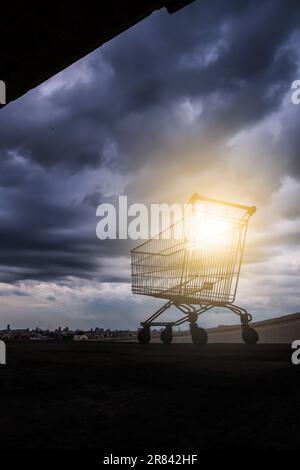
(193, 279)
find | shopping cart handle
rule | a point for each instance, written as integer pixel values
(196, 197)
(251, 210)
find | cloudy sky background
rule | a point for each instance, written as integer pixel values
(198, 101)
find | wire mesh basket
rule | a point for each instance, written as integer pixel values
(198, 258)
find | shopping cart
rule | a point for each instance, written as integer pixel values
(195, 265)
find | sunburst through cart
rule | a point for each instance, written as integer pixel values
(195, 266)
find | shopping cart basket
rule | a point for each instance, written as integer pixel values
(195, 265)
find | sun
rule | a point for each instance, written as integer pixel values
(207, 229)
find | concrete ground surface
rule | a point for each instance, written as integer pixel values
(126, 397)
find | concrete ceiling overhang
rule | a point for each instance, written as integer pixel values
(38, 40)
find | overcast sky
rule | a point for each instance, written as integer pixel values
(198, 101)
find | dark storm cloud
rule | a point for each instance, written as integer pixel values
(232, 48)
(47, 236)
(249, 73)
(232, 56)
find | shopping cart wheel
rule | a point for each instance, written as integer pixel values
(199, 335)
(167, 335)
(144, 335)
(249, 334)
